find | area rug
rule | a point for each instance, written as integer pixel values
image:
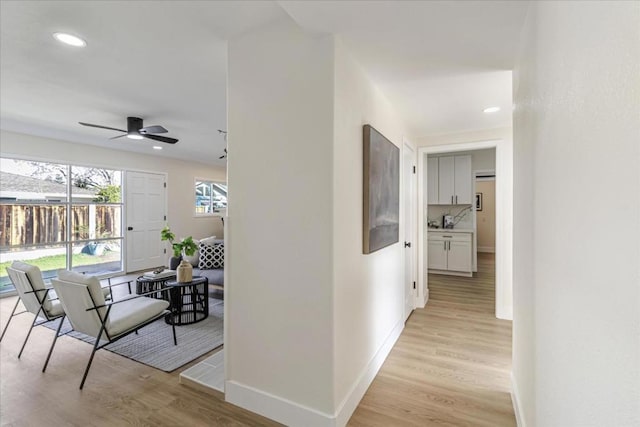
(153, 345)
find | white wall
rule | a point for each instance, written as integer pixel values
(577, 280)
(368, 289)
(279, 298)
(310, 319)
(460, 137)
(180, 183)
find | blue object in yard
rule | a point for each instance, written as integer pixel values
(94, 249)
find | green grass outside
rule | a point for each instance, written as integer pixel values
(55, 262)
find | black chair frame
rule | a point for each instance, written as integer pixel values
(110, 340)
(35, 322)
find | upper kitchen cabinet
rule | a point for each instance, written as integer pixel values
(454, 180)
(432, 181)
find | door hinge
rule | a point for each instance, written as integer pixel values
(414, 283)
(414, 169)
(165, 185)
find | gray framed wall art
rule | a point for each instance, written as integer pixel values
(381, 201)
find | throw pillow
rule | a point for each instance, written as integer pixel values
(208, 240)
(211, 256)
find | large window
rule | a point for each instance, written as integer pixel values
(211, 197)
(59, 216)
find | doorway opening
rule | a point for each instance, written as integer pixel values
(460, 210)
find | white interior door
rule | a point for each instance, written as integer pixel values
(409, 205)
(146, 216)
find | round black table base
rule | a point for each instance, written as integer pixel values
(186, 317)
(189, 301)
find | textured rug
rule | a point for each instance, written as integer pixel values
(153, 345)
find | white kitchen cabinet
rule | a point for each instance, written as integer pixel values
(432, 180)
(446, 180)
(437, 254)
(454, 180)
(450, 253)
(462, 180)
(459, 256)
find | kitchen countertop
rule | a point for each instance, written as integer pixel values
(451, 230)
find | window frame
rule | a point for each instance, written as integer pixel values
(69, 242)
(214, 213)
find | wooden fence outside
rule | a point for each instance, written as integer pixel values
(22, 225)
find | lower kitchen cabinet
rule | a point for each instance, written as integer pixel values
(450, 253)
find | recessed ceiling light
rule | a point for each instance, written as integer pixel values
(69, 39)
(134, 136)
(157, 147)
(491, 109)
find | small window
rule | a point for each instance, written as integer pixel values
(211, 197)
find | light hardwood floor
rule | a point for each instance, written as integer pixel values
(450, 367)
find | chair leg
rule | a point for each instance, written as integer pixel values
(86, 371)
(35, 319)
(95, 348)
(10, 317)
(173, 327)
(53, 343)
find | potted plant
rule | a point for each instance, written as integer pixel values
(186, 245)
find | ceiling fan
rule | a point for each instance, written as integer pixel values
(223, 132)
(135, 130)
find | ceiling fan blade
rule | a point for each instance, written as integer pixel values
(161, 138)
(100, 127)
(119, 136)
(153, 129)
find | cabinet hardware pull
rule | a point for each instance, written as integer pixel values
(456, 200)
(445, 246)
(451, 199)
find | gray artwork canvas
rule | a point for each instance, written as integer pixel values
(381, 191)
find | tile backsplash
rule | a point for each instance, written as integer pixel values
(464, 217)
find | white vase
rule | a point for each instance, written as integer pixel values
(184, 272)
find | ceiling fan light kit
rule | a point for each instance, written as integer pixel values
(70, 39)
(135, 130)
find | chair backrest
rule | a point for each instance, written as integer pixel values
(27, 278)
(77, 294)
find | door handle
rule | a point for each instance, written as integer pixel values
(129, 228)
(407, 244)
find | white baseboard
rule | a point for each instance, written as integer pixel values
(517, 406)
(274, 407)
(353, 398)
(487, 249)
(504, 313)
(426, 298)
(451, 273)
(293, 414)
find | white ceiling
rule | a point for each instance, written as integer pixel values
(440, 63)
